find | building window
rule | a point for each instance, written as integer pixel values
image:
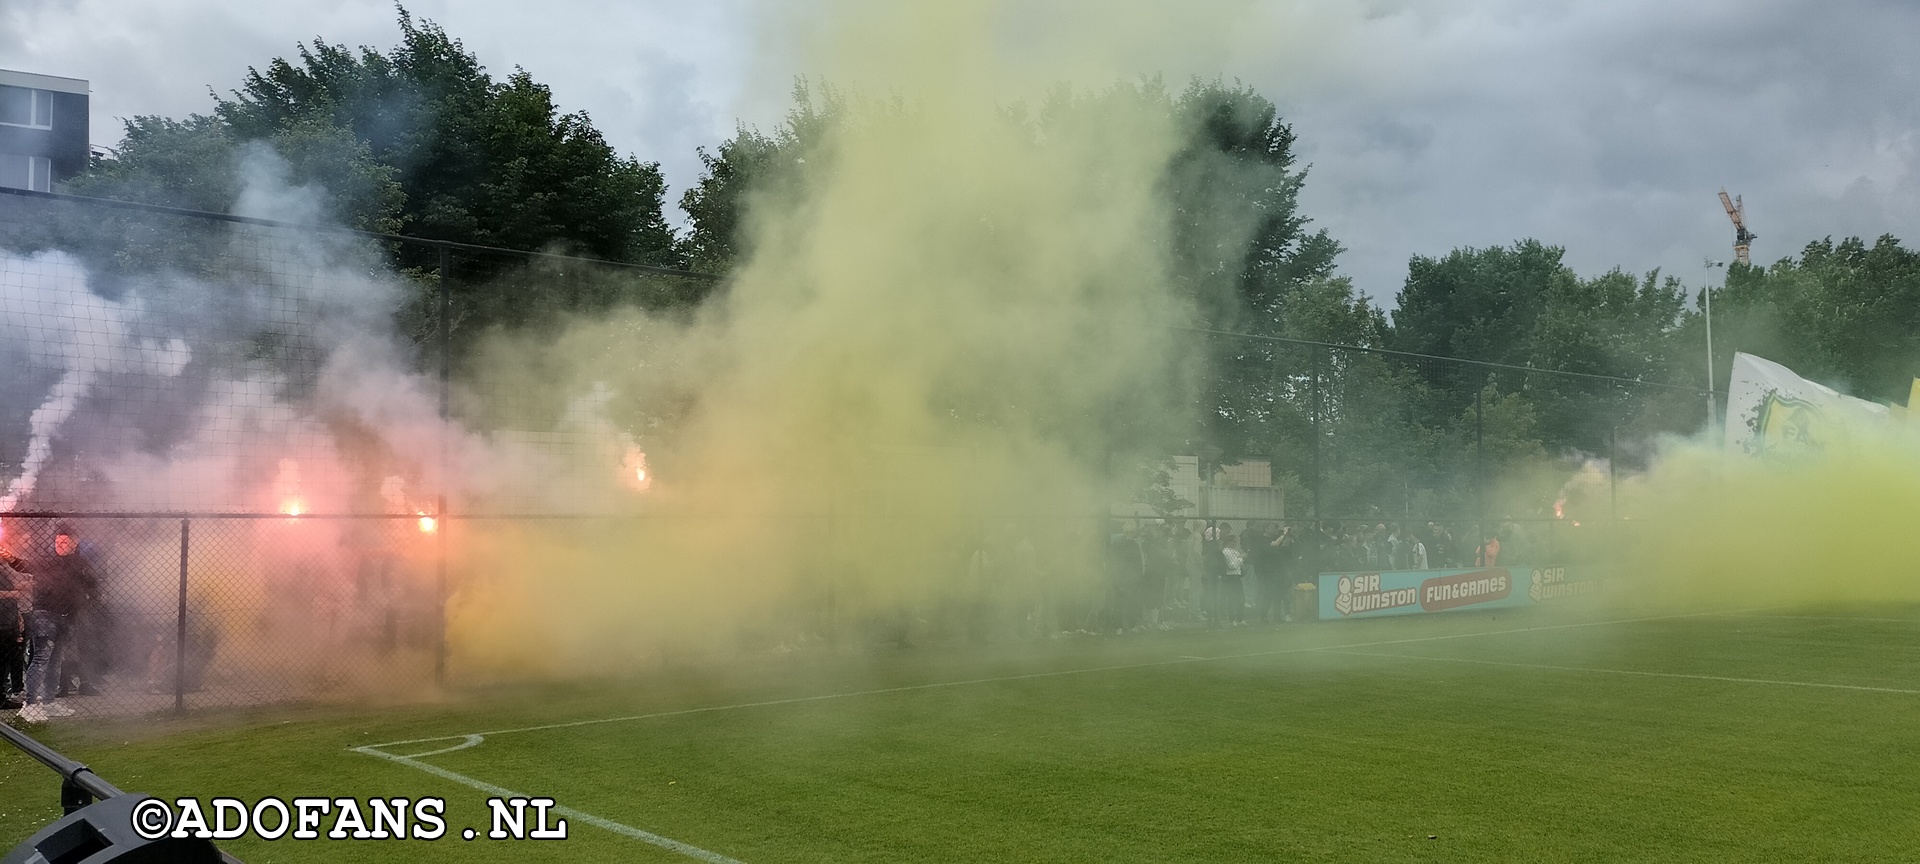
(26, 172)
(20, 106)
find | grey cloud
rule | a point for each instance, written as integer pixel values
(659, 78)
(1606, 127)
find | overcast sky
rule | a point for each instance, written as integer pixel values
(1606, 127)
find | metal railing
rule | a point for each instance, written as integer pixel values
(76, 836)
(79, 786)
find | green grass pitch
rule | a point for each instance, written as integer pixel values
(1783, 735)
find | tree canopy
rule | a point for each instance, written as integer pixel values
(419, 139)
(1845, 313)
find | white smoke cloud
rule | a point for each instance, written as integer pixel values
(272, 379)
(63, 326)
(206, 389)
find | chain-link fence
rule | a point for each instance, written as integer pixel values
(221, 610)
(187, 404)
(194, 405)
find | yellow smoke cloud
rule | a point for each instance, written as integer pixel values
(943, 343)
(1706, 527)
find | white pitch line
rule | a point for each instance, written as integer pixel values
(1626, 672)
(471, 741)
(1034, 675)
(1826, 618)
(668, 843)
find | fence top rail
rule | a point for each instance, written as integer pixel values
(333, 229)
(216, 515)
(252, 514)
(1378, 520)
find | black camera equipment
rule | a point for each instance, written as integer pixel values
(97, 831)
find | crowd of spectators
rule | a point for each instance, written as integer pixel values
(50, 628)
(1228, 577)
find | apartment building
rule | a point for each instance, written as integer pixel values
(43, 129)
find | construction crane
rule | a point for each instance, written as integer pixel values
(1742, 238)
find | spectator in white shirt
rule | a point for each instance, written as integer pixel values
(1233, 597)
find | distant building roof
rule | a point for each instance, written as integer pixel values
(35, 80)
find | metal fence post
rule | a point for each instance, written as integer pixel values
(1613, 492)
(1314, 412)
(1613, 474)
(833, 564)
(1480, 470)
(441, 525)
(180, 627)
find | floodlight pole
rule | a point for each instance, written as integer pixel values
(1706, 302)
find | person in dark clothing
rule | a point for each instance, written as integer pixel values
(83, 658)
(1126, 570)
(1212, 567)
(1350, 556)
(63, 586)
(1273, 567)
(14, 597)
(1186, 562)
(1156, 551)
(1439, 546)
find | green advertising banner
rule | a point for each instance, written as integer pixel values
(1412, 592)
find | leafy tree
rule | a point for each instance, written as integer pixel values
(1242, 253)
(1845, 313)
(752, 169)
(1239, 240)
(1613, 325)
(419, 140)
(1521, 306)
(200, 164)
(1478, 304)
(480, 161)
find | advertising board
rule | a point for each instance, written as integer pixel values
(1413, 592)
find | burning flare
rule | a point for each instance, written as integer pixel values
(286, 487)
(634, 468)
